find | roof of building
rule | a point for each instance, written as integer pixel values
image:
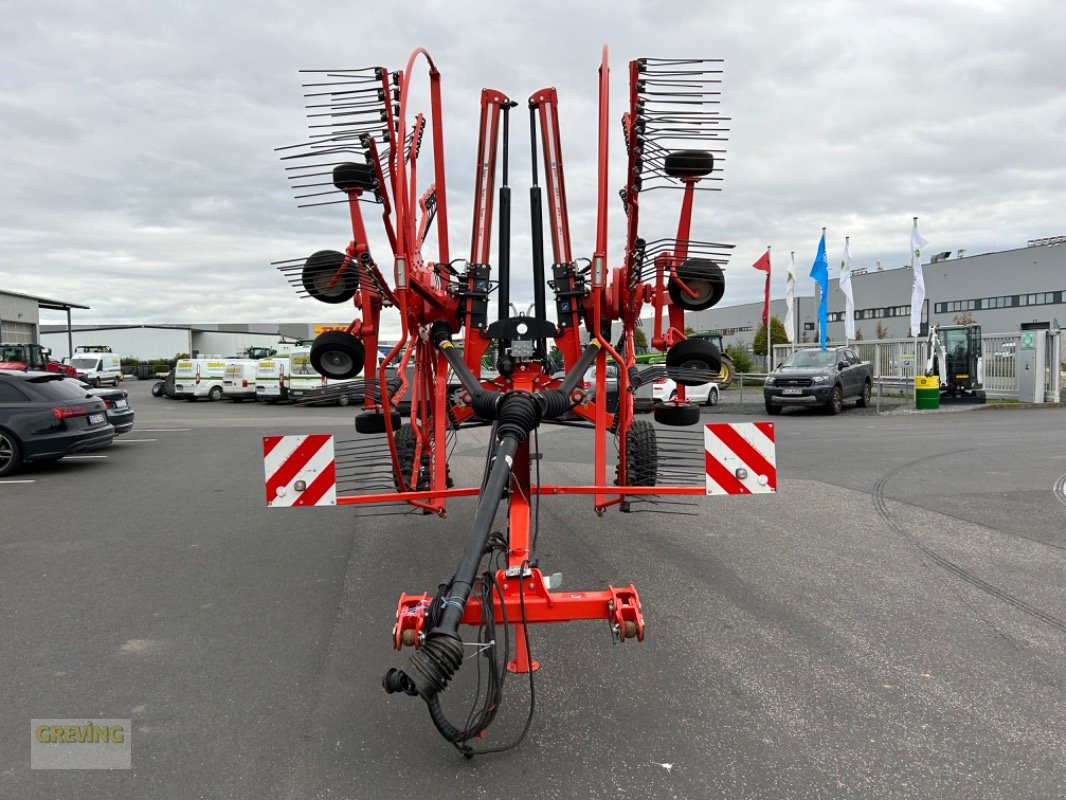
(46, 302)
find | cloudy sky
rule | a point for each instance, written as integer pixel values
(139, 175)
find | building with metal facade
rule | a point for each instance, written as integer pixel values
(146, 342)
(20, 315)
(1000, 291)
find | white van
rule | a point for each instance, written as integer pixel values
(238, 382)
(271, 379)
(199, 377)
(97, 369)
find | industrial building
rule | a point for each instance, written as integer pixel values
(1000, 291)
(20, 315)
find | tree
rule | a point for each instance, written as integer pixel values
(858, 334)
(778, 335)
(689, 330)
(640, 340)
(556, 363)
(739, 356)
(965, 318)
(881, 332)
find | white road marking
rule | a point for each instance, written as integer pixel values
(667, 767)
(147, 440)
(21, 481)
(164, 430)
(1060, 489)
(71, 458)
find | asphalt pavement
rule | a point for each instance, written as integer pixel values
(890, 624)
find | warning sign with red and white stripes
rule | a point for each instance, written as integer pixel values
(741, 458)
(300, 470)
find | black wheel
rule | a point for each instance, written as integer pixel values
(702, 276)
(771, 408)
(405, 452)
(836, 401)
(348, 177)
(642, 454)
(373, 422)
(693, 362)
(319, 271)
(215, 393)
(157, 389)
(95, 383)
(10, 453)
(688, 163)
(712, 396)
(677, 414)
(343, 400)
(337, 354)
(864, 398)
(643, 405)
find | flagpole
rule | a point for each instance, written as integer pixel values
(918, 330)
(789, 311)
(846, 240)
(766, 318)
(824, 333)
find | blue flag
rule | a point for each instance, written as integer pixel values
(820, 273)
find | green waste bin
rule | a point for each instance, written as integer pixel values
(927, 392)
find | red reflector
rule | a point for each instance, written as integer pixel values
(244, 385)
(62, 412)
(586, 384)
(661, 381)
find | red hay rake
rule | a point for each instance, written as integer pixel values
(364, 151)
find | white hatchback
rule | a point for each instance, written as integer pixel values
(664, 389)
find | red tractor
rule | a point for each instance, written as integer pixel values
(363, 152)
(22, 356)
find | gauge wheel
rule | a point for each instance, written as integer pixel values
(864, 398)
(215, 393)
(337, 354)
(10, 453)
(677, 414)
(688, 163)
(642, 454)
(350, 176)
(693, 362)
(836, 401)
(373, 422)
(318, 275)
(702, 276)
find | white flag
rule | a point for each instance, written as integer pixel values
(790, 299)
(918, 290)
(845, 286)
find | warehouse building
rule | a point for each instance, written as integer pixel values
(20, 315)
(1000, 291)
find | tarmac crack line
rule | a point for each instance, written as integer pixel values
(946, 564)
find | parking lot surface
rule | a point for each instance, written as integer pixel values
(891, 624)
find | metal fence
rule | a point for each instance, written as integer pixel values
(901, 360)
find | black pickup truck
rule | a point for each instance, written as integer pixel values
(813, 377)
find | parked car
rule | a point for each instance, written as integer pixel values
(117, 403)
(588, 383)
(665, 389)
(813, 377)
(45, 416)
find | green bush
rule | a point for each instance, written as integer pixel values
(739, 356)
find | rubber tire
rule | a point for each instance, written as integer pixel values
(157, 389)
(643, 405)
(351, 176)
(337, 354)
(771, 408)
(10, 444)
(864, 398)
(405, 453)
(712, 397)
(215, 393)
(688, 163)
(694, 354)
(318, 271)
(836, 401)
(677, 414)
(642, 454)
(703, 276)
(343, 400)
(373, 422)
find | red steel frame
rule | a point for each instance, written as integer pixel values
(422, 295)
